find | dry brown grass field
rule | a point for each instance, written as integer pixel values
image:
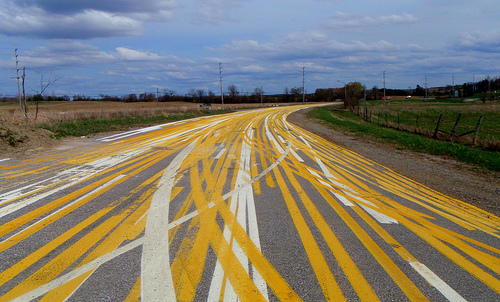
(85, 110)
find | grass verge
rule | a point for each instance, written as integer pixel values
(87, 127)
(405, 140)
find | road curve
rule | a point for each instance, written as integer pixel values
(236, 207)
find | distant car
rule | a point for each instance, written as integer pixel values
(206, 105)
(408, 97)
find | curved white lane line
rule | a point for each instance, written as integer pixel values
(156, 277)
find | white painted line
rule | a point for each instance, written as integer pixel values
(306, 142)
(321, 181)
(448, 292)
(313, 172)
(187, 217)
(5, 159)
(381, 218)
(344, 200)
(297, 156)
(75, 175)
(271, 137)
(107, 184)
(156, 277)
(325, 170)
(77, 288)
(42, 290)
(243, 206)
(219, 155)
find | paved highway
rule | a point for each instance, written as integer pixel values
(237, 207)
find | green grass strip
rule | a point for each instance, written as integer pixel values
(87, 127)
(410, 141)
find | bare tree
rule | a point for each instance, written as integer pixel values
(258, 93)
(200, 94)
(287, 94)
(233, 91)
(43, 87)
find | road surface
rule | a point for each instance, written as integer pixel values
(236, 207)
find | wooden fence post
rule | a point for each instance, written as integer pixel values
(474, 141)
(456, 126)
(437, 127)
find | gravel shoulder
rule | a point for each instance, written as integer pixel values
(465, 182)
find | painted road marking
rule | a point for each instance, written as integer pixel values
(42, 290)
(338, 178)
(437, 282)
(156, 277)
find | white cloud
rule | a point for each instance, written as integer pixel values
(480, 41)
(214, 11)
(252, 68)
(127, 54)
(82, 20)
(346, 21)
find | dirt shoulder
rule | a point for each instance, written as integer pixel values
(473, 185)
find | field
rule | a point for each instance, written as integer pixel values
(95, 110)
(395, 123)
(84, 118)
(422, 117)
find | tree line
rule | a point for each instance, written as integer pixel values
(350, 94)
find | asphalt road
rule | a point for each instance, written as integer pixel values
(244, 206)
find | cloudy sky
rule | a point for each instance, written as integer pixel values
(117, 47)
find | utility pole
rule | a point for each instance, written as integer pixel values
(261, 93)
(473, 84)
(303, 85)
(453, 86)
(489, 86)
(221, 92)
(425, 85)
(18, 85)
(384, 86)
(156, 96)
(24, 95)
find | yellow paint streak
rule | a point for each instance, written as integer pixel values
(326, 280)
(359, 283)
(20, 221)
(239, 278)
(187, 268)
(135, 293)
(66, 290)
(61, 262)
(63, 200)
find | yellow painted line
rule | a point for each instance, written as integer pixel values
(406, 285)
(326, 280)
(425, 233)
(356, 278)
(135, 293)
(239, 278)
(13, 224)
(61, 262)
(43, 276)
(66, 290)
